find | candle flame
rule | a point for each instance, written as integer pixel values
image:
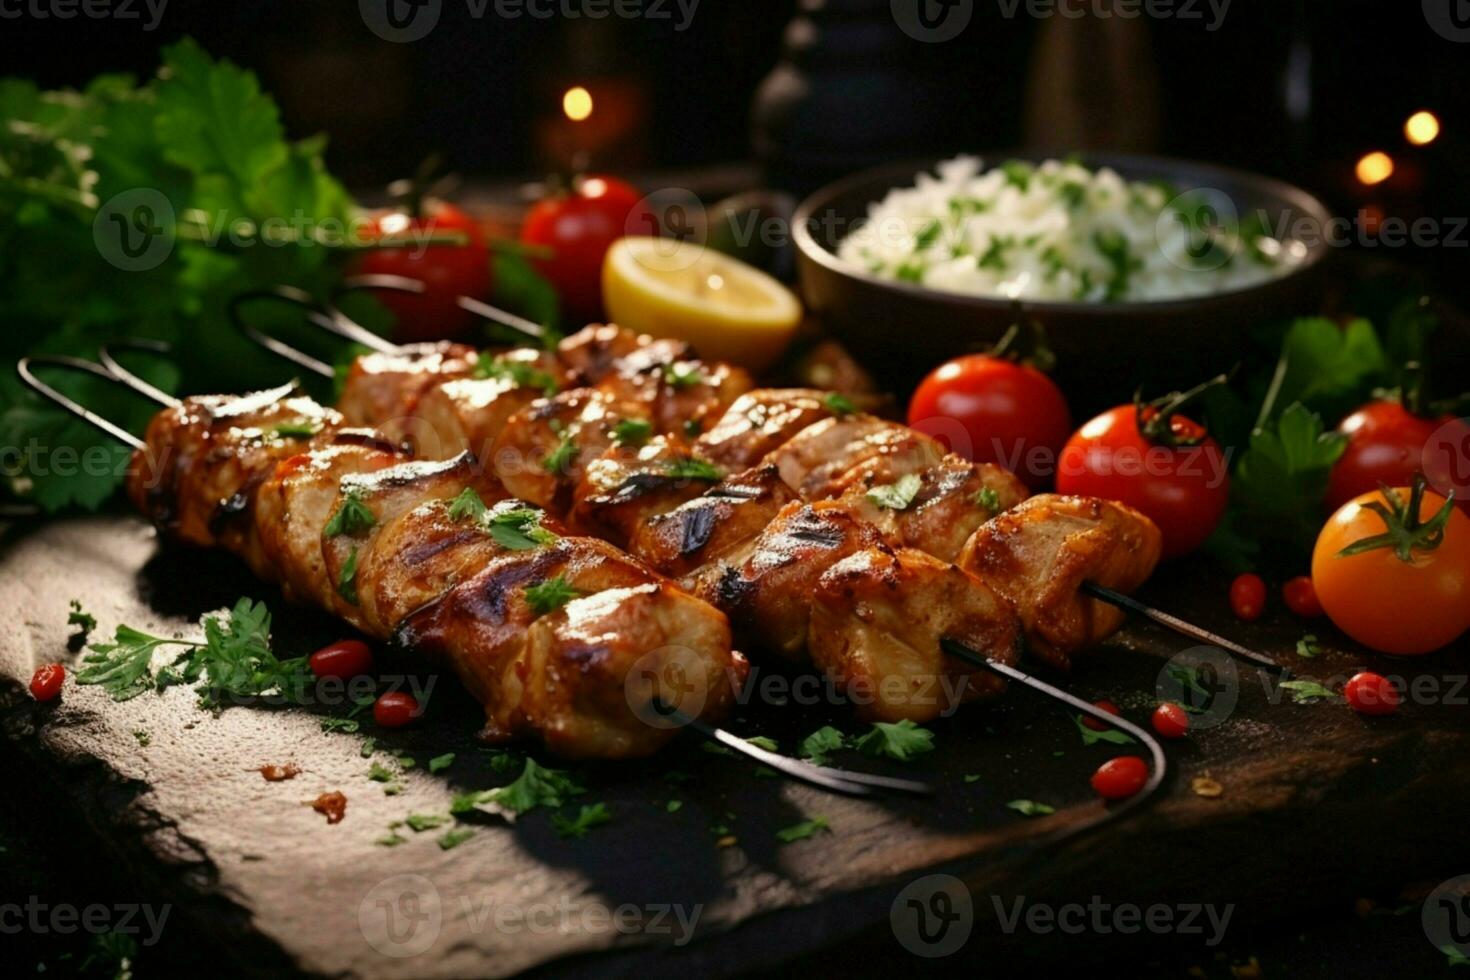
(1375, 168)
(1422, 128)
(577, 103)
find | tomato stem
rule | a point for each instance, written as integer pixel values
(1405, 533)
(1155, 418)
(1024, 342)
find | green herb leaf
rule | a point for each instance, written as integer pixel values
(86, 621)
(420, 822)
(838, 404)
(519, 530)
(300, 429)
(1308, 646)
(683, 374)
(803, 830)
(898, 495)
(518, 373)
(987, 498)
(819, 743)
(674, 806)
(1281, 479)
(1305, 692)
(467, 504)
(559, 461)
(902, 740)
(549, 596)
(351, 517)
(764, 742)
(347, 579)
(454, 838)
(1030, 808)
(536, 786)
(690, 468)
(381, 774)
(441, 762)
(1109, 735)
(632, 432)
(591, 815)
(123, 668)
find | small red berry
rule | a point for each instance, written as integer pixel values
(1301, 597)
(1100, 726)
(395, 709)
(1248, 596)
(46, 682)
(1368, 693)
(344, 659)
(1120, 778)
(1170, 720)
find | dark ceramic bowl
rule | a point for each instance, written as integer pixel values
(1104, 350)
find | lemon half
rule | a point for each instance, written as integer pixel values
(728, 310)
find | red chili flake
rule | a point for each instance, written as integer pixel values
(331, 805)
(275, 774)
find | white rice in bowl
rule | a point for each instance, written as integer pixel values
(1059, 231)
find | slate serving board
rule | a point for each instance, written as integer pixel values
(257, 871)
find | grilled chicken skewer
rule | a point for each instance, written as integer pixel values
(749, 546)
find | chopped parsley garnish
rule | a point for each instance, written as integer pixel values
(1091, 736)
(690, 468)
(454, 838)
(632, 432)
(420, 822)
(820, 742)
(536, 786)
(764, 742)
(84, 620)
(803, 830)
(680, 374)
(351, 517)
(441, 762)
(144, 739)
(560, 459)
(927, 235)
(519, 530)
(910, 271)
(987, 497)
(1017, 173)
(693, 428)
(897, 495)
(299, 429)
(518, 373)
(902, 740)
(1113, 247)
(379, 773)
(234, 660)
(549, 596)
(1073, 193)
(467, 504)
(994, 256)
(1305, 692)
(592, 815)
(1308, 646)
(1030, 808)
(674, 806)
(838, 404)
(347, 580)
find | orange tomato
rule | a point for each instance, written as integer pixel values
(1408, 599)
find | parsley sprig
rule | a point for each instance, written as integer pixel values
(352, 516)
(897, 495)
(550, 595)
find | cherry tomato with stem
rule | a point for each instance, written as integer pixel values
(395, 709)
(574, 229)
(1156, 460)
(1120, 778)
(1248, 597)
(344, 659)
(998, 407)
(447, 271)
(1300, 596)
(1389, 440)
(1100, 726)
(1170, 720)
(1368, 693)
(46, 682)
(1392, 569)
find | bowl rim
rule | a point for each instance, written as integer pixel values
(809, 249)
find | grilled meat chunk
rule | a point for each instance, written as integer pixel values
(708, 528)
(953, 500)
(1039, 553)
(759, 422)
(625, 487)
(822, 460)
(382, 389)
(469, 413)
(878, 617)
(593, 352)
(543, 450)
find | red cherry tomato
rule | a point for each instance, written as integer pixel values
(344, 659)
(1368, 693)
(447, 271)
(1387, 444)
(1120, 778)
(46, 682)
(1248, 597)
(1096, 725)
(992, 410)
(578, 228)
(1170, 720)
(1301, 597)
(1184, 489)
(395, 709)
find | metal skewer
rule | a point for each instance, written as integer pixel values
(1182, 627)
(841, 781)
